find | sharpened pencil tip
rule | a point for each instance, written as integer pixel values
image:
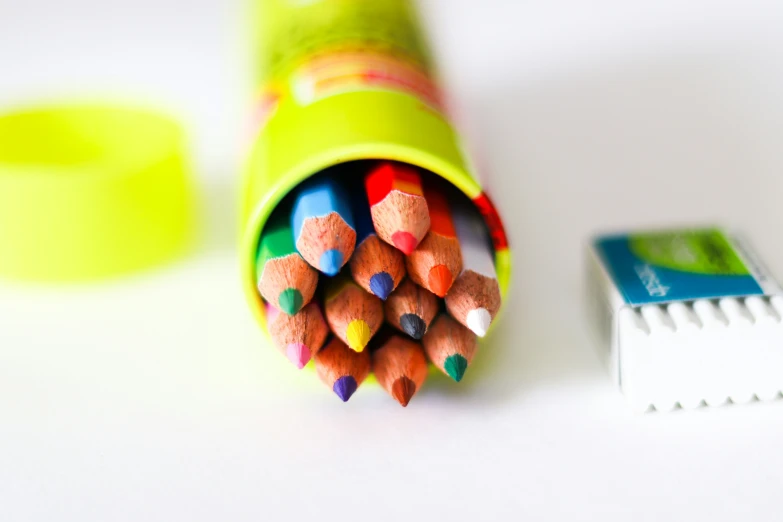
(298, 354)
(405, 242)
(331, 262)
(413, 325)
(381, 284)
(344, 387)
(358, 334)
(455, 366)
(402, 390)
(478, 321)
(440, 280)
(290, 301)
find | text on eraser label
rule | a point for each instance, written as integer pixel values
(662, 267)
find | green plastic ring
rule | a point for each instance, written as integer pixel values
(91, 191)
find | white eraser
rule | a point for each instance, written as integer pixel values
(686, 318)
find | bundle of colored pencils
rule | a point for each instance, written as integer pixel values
(398, 222)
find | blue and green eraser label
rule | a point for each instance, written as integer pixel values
(681, 265)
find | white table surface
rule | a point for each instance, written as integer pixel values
(155, 398)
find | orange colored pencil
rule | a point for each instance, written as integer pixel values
(342, 369)
(297, 336)
(399, 210)
(450, 346)
(437, 261)
(400, 366)
(411, 309)
(353, 315)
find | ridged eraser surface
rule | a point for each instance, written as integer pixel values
(686, 318)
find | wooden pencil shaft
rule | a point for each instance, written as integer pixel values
(398, 208)
(284, 278)
(353, 314)
(437, 261)
(474, 298)
(297, 336)
(375, 265)
(400, 367)
(411, 309)
(342, 369)
(323, 224)
(450, 346)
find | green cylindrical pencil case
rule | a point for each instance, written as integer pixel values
(340, 81)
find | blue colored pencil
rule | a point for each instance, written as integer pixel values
(323, 225)
(375, 265)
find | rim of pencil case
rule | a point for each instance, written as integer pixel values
(262, 208)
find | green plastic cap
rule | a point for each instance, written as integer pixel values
(91, 191)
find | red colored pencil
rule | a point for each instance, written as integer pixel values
(399, 210)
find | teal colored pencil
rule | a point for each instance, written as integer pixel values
(323, 225)
(284, 278)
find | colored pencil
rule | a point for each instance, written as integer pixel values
(341, 368)
(400, 366)
(474, 299)
(437, 261)
(284, 278)
(297, 336)
(450, 346)
(411, 309)
(399, 209)
(375, 265)
(353, 315)
(322, 223)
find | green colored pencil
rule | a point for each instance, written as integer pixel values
(284, 279)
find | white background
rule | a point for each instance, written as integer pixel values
(155, 397)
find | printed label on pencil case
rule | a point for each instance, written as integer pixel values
(264, 108)
(335, 73)
(662, 267)
(288, 37)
